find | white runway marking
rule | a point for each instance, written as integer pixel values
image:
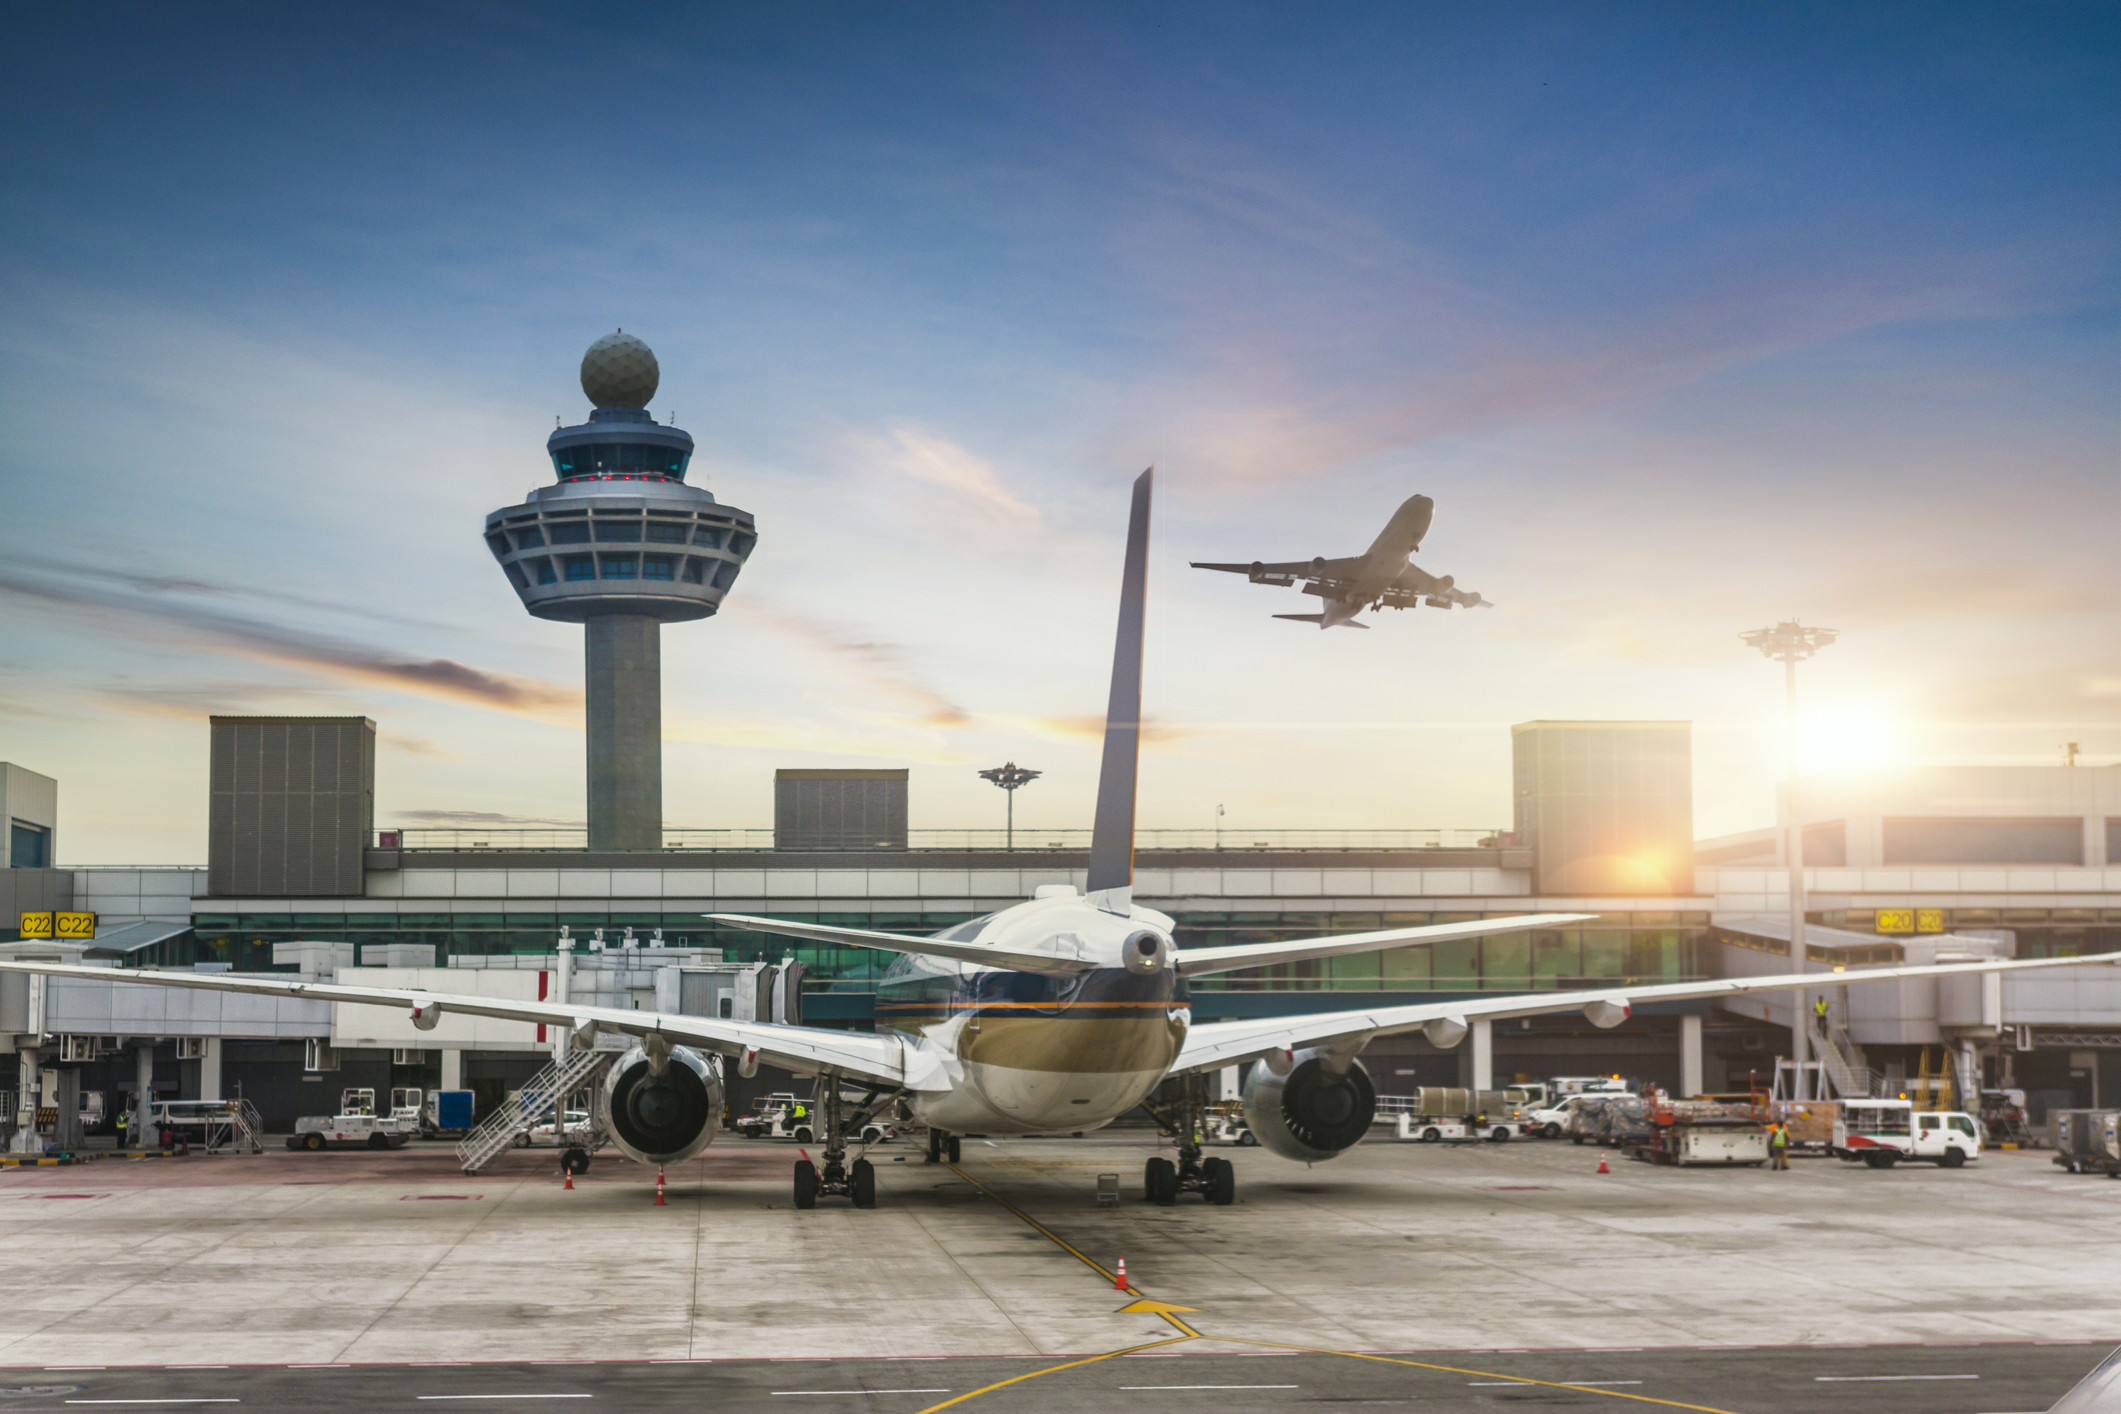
(861, 1391)
(1860, 1379)
(1211, 1386)
(156, 1401)
(505, 1396)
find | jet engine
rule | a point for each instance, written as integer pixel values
(1309, 1113)
(660, 1119)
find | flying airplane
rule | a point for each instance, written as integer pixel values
(1383, 576)
(1050, 1016)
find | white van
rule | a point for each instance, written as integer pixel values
(1881, 1133)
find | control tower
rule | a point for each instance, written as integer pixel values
(622, 546)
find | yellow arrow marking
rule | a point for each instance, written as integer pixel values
(1154, 1308)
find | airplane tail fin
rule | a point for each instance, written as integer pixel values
(1320, 620)
(1110, 884)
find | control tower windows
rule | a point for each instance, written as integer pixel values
(544, 571)
(581, 567)
(620, 566)
(618, 530)
(571, 533)
(725, 574)
(659, 566)
(620, 459)
(695, 570)
(529, 539)
(664, 532)
(709, 536)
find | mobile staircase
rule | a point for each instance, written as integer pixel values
(543, 1096)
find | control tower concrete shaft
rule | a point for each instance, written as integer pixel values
(622, 545)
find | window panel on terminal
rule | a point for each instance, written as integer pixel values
(529, 539)
(544, 571)
(695, 570)
(659, 566)
(618, 530)
(581, 567)
(621, 566)
(664, 532)
(574, 532)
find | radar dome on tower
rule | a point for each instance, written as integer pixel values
(620, 371)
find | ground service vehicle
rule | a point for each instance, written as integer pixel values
(1700, 1132)
(1550, 1118)
(1450, 1129)
(2089, 1141)
(447, 1112)
(356, 1125)
(1882, 1133)
(1225, 1124)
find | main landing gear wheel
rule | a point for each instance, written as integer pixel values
(952, 1149)
(1160, 1182)
(864, 1194)
(805, 1184)
(935, 1146)
(1221, 1182)
(575, 1161)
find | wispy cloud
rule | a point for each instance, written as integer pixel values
(881, 667)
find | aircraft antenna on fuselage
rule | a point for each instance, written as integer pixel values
(1110, 884)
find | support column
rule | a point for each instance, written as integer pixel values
(26, 1139)
(1483, 1040)
(210, 1070)
(624, 688)
(1689, 1056)
(143, 1087)
(452, 1069)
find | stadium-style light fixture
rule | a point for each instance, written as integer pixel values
(1009, 776)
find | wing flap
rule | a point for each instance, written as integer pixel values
(981, 954)
(1198, 962)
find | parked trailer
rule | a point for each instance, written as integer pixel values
(1700, 1132)
(1450, 1129)
(1438, 1112)
(2089, 1141)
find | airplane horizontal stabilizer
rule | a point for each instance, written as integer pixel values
(959, 950)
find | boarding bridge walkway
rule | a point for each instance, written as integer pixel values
(544, 1095)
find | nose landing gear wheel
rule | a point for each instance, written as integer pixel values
(864, 1194)
(805, 1184)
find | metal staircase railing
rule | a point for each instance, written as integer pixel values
(248, 1125)
(544, 1094)
(1851, 1081)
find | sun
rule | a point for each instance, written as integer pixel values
(1859, 739)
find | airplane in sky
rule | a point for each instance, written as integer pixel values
(1051, 1016)
(1382, 577)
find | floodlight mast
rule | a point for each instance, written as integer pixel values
(1009, 776)
(1788, 643)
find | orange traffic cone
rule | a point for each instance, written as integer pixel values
(570, 1180)
(1601, 1165)
(659, 1187)
(1119, 1280)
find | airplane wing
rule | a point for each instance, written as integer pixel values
(1198, 962)
(807, 1050)
(960, 951)
(1287, 572)
(1220, 1043)
(1416, 586)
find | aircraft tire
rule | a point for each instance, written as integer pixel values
(953, 1147)
(805, 1184)
(864, 1184)
(1222, 1183)
(935, 1146)
(1160, 1177)
(575, 1161)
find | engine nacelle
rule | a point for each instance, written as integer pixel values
(660, 1119)
(1310, 1113)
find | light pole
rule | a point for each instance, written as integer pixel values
(1788, 643)
(1009, 776)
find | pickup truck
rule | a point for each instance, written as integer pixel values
(1881, 1133)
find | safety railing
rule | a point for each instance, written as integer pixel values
(545, 1094)
(1022, 841)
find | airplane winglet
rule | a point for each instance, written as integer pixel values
(1110, 882)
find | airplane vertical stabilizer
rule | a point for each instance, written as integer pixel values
(1111, 880)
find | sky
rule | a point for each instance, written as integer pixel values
(1689, 319)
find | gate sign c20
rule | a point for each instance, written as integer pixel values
(1896, 920)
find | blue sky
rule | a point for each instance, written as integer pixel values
(1690, 320)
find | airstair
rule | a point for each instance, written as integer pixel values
(1850, 1080)
(543, 1097)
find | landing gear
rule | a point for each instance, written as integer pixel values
(935, 1146)
(1214, 1179)
(838, 1178)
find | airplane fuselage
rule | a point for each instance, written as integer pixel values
(1383, 562)
(1041, 1053)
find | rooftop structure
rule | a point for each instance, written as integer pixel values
(622, 545)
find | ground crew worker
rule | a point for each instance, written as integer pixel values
(124, 1122)
(1819, 1010)
(1779, 1143)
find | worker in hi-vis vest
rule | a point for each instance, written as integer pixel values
(1819, 1010)
(1778, 1139)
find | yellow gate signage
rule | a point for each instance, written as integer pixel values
(1929, 920)
(1896, 920)
(58, 925)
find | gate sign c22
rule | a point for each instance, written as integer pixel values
(58, 925)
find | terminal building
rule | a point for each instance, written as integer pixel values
(1930, 864)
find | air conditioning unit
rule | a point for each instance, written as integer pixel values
(319, 1055)
(77, 1048)
(191, 1048)
(408, 1056)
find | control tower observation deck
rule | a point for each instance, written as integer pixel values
(622, 546)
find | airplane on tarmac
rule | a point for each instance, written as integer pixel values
(1050, 1016)
(1383, 576)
